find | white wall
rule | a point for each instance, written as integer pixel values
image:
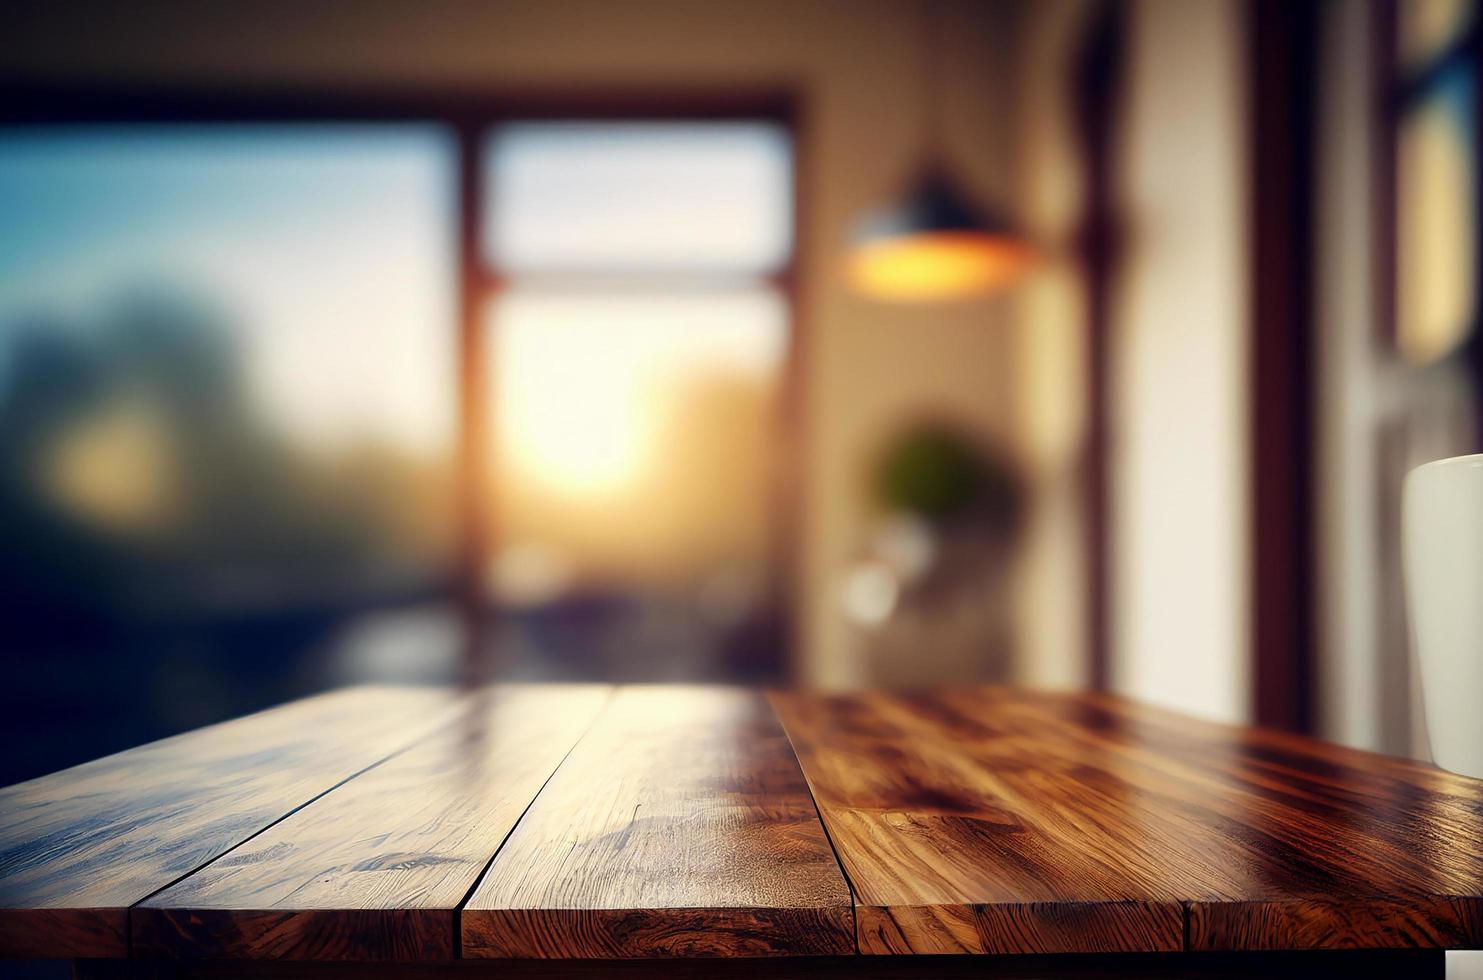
(1179, 429)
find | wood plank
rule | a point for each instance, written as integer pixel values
(1328, 847)
(967, 827)
(376, 869)
(990, 820)
(679, 826)
(78, 847)
(1317, 846)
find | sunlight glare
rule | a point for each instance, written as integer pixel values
(584, 384)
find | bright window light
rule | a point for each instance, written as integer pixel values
(607, 197)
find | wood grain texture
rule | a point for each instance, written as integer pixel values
(376, 869)
(1332, 848)
(991, 820)
(679, 826)
(968, 824)
(78, 847)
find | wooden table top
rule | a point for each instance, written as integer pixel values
(536, 822)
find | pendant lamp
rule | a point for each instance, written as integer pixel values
(934, 242)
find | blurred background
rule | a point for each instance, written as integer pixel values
(1068, 343)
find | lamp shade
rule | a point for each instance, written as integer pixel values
(934, 244)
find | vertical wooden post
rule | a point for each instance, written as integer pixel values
(1283, 45)
(1097, 76)
(473, 401)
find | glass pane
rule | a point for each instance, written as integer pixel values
(324, 252)
(633, 432)
(226, 410)
(618, 196)
(1436, 245)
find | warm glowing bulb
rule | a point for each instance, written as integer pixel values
(937, 265)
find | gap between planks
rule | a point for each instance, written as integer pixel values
(479, 878)
(452, 713)
(828, 834)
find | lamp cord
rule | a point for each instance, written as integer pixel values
(933, 72)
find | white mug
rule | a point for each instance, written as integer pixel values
(1443, 556)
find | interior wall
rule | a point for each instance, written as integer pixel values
(1179, 429)
(857, 65)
